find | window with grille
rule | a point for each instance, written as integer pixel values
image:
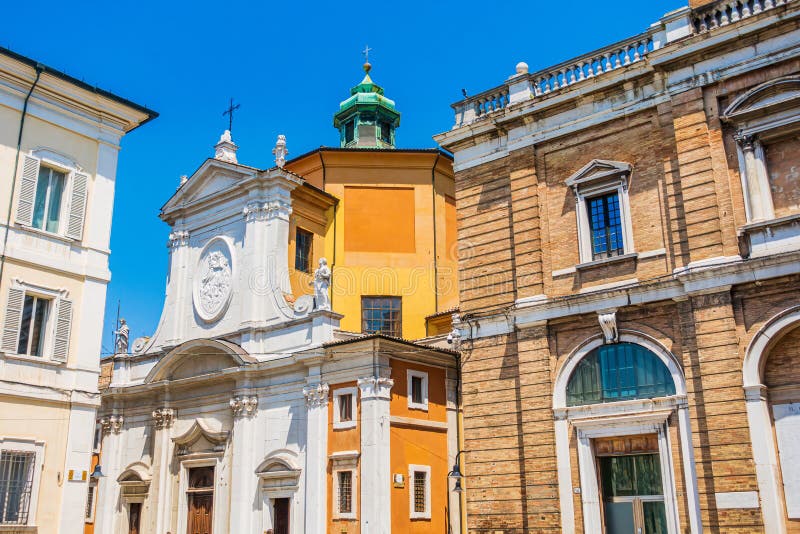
(420, 492)
(16, 482)
(382, 315)
(606, 226)
(90, 495)
(345, 492)
(34, 320)
(302, 250)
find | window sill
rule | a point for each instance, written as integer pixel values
(31, 359)
(45, 233)
(18, 528)
(420, 407)
(605, 261)
(344, 425)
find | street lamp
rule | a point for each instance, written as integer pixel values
(97, 473)
(456, 474)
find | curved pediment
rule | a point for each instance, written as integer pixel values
(280, 461)
(200, 436)
(199, 357)
(767, 97)
(135, 473)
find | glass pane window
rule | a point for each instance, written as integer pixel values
(386, 132)
(420, 488)
(302, 250)
(47, 204)
(621, 371)
(16, 481)
(416, 390)
(345, 492)
(345, 408)
(34, 320)
(381, 315)
(349, 131)
(606, 226)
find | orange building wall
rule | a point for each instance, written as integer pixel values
(344, 440)
(420, 446)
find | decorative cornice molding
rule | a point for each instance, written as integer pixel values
(375, 387)
(244, 406)
(164, 417)
(178, 238)
(316, 395)
(262, 211)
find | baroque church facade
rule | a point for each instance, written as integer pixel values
(251, 409)
(629, 309)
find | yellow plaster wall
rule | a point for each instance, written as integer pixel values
(402, 270)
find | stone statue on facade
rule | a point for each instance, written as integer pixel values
(322, 281)
(122, 333)
(280, 151)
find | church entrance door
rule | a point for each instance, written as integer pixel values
(200, 500)
(281, 516)
(134, 512)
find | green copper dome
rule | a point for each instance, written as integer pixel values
(367, 119)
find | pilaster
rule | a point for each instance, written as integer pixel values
(179, 290)
(163, 419)
(78, 457)
(109, 508)
(376, 473)
(316, 501)
(244, 484)
(526, 223)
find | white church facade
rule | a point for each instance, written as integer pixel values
(249, 410)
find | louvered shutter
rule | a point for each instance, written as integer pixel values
(63, 327)
(27, 190)
(77, 206)
(16, 298)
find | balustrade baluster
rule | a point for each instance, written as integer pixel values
(590, 73)
(607, 67)
(581, 75)
(723, 18)
(745, 9)
(768, 4)
(735, 15)
(756, 7)
(636, 56)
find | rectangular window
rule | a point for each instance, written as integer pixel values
(47, 204)
(606, 226)
(345, 492)
(417, 389)
(349, 131)
(16, 481)
(34, 320)
(381, 315)
(302, 250)
(346, 408)
(419, 477)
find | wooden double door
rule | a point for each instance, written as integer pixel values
(200, 500)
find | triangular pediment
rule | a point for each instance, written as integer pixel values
(598, 169)
(213, 177)
(772, 95)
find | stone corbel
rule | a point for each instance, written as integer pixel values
(375, 387)
(316, 395)
(112, 423)
(608, 323)
(164, 417)
(244, 406)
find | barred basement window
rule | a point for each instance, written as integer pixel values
(16, 481)
(419, 492)
(90, 495)
(345, 492)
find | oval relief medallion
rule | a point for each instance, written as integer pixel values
(213, 280)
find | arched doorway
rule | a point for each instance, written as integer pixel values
(771, 378)
(621, 406)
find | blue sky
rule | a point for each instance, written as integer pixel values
(288, 64)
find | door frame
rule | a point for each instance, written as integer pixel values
(627, 425)
(183, 502)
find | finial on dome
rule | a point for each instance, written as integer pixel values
(225, 149)
(367, 67)
(367, 64)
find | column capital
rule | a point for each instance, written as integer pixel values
(112, 423)
(375, 387)
(316, 395)
(262, 211)
(164, 417)
(747, 142)
(244, 406)
(178, 238)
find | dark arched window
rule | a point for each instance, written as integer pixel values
(618, 372)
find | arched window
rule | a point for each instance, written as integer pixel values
(618, 372)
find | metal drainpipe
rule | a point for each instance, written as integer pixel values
(39, 69)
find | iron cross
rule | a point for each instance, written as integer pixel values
(229, 113)
(366, 52)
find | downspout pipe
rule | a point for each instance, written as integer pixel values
(39, 68)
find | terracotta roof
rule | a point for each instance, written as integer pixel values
(408, 342)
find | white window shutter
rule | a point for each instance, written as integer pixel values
(77, 206)
(16, 298)
(27, 190)
(63, 327)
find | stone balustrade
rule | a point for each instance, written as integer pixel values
(727, 12)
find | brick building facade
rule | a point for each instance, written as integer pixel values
(629, 240)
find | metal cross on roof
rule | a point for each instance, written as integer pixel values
(229, 113)
(366, 52)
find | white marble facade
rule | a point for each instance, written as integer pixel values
(234, 376)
